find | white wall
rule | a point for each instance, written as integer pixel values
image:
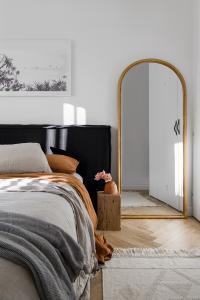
(135, 128)
(107, 35)
(196, 138)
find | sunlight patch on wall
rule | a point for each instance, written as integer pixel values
(178, 154)
(68, 114)
(80, 116)
(73, 115)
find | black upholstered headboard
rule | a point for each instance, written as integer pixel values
(90, 144)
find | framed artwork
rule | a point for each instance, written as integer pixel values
(35, 67)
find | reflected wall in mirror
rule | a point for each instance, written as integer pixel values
(152, 140)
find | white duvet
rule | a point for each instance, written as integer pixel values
(48, 207)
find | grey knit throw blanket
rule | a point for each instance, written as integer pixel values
(51, 255)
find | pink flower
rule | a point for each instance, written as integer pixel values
(107, 177)
(103, 175)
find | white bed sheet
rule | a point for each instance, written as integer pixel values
(48, 207)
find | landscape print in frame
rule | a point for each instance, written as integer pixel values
(35, 67)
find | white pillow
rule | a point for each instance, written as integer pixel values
(23, 158)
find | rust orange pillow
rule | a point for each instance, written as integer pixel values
(62, 163)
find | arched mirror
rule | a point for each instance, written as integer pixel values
(152, 140)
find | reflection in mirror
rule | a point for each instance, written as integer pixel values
(151, 141)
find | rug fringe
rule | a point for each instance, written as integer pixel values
(153, 252)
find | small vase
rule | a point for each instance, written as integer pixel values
(110, 188)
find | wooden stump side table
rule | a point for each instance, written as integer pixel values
(108, 211)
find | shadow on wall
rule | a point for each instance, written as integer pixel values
(74, 115)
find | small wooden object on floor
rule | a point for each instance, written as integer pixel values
(109, 211)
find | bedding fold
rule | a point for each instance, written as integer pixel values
(54, 259)
(57, 183)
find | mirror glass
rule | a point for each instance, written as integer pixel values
(152, 141)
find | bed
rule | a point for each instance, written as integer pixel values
(90, 144)
(48, 248)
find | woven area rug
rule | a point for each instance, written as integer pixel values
(135, 199)
(152, 274)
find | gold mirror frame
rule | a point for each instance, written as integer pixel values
(184, 214)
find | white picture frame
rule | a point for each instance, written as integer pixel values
(35, 67)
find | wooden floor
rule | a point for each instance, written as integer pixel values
(171, 234)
